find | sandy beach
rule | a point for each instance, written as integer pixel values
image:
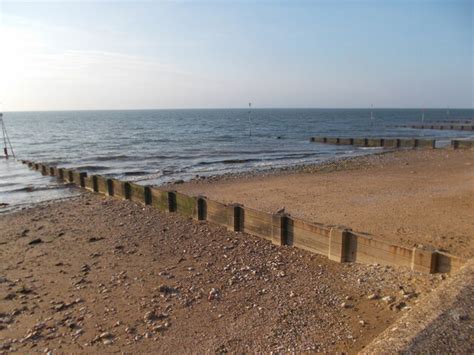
(95, 274)
(98, 274)
(237, 177)
(407, 197)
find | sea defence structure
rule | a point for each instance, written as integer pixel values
(391, 143)
(462, 144)
(444, 126)
(338, 243)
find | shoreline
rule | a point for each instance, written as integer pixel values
(331, 163)
(101, 274)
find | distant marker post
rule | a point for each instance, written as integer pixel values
(250, 120)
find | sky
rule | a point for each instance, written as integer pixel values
(68, 55)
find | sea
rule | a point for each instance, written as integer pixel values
(155, 147)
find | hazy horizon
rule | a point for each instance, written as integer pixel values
(68, 56)
(245, 108)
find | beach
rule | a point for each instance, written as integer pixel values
(410, 198)
(93, 273)
(98, 274)
(233, 177)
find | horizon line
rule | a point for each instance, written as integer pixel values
(246, 108)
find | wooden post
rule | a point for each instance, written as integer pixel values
(423, 261)
(172, 201)
(201, 214)
(235, 217)
(338, 244)
(127, 191)
(148, 197)
(280, 229)
(110, 187)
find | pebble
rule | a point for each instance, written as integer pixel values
(105, 335)
(150, 316)
(213, 294)
(388, 299)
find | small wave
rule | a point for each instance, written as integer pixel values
(92, 167)
(238, 161)
(31, 188)
(113, 157)
(6, 184)
(227, 161)
(134, 173)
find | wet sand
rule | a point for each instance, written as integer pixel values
(94, 274)
(407, 197)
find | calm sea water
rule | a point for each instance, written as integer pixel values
(159, 146)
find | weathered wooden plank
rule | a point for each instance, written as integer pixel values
(216, 212)
(308, 236)
(406, 143)
(425, 143)
(346, 141)
(138, 193)
(258, 223)
(90, 182)
(67, 175)
(390, 143)
(121, 189)
(160, 200)
(423, 261)
(186, 205)
(374, 142)
(78, 178)
(360, 142)
(368, 250)
(462, 144)
(43, 169)
(446, 262)
(102, 185)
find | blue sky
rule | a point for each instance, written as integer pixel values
(187, 54)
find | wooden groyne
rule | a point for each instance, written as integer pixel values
(338, 243)
(462, 144)
(378, 142)
(443, 126)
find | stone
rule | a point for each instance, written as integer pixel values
(130, 330)
(166, 289)
(150, 316)
(388, 299)
(213, 294)
(105, 335)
